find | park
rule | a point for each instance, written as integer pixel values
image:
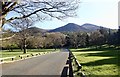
(68, 50)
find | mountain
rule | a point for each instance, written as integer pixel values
(70, 27)
(36, 30)
(92, 27)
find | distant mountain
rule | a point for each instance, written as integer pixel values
(70, 27)
(90, 27)
(36, 30)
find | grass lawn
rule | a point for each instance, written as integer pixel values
(17, 52)
(101, 62)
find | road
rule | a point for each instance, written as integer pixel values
(49, 64)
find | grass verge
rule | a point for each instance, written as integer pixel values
(100, 62)
(17, 52)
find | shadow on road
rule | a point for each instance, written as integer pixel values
(65, 71)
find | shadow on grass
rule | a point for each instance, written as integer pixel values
(94, 49)
(113, 53)
(103, 52)
(102, 62)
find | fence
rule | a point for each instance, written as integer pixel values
(75, 66)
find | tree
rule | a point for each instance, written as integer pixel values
(54, 40)
(67, 42)
(96, 38)
(87, 39)
(38, 10)
(82, 39)
(105, 34)
(118, 35)
(71, 39)
(23, 25)
(9, 43)
(38, 41)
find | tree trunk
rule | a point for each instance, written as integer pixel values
(24, 50)
(2, 21)
(24, 46)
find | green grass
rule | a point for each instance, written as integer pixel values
(103, 61)
(17, 52)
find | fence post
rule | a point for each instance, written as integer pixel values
(71, 57)
(70, 65)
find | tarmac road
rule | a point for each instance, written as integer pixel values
(49, 64)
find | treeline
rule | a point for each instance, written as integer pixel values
(30, 40)
(96, 38)
(59, 40)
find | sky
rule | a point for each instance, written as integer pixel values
(99, 12)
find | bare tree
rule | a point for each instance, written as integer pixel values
(38, 9)
(55, 40)
(22, 25)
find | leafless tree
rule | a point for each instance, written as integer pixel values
(54, 40)
(38, 9)
(22, 25)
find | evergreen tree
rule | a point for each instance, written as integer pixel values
(118, 36)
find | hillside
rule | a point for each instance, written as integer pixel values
(70, 27)
(36, 30)
(90, 27)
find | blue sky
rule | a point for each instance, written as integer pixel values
(98, 12)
